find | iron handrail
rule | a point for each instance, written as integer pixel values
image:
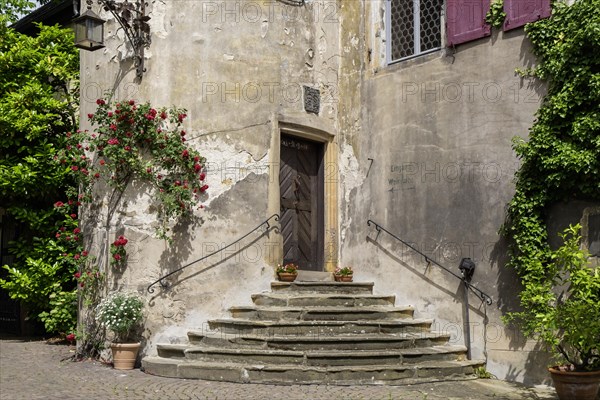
(267, 225)
(481, 294)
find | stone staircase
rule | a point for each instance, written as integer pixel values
(316, 332)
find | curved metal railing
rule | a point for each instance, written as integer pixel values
(481, 294)
(266, 224)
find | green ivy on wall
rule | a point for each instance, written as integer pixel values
(561, 158)
(496, 15)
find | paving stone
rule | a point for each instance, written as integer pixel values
(31, 370)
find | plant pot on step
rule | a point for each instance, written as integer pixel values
(343, 278)
(124, 354)
(575, 385)
(286, 276)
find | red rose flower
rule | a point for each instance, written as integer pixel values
(70, 337)
(204, 188)
(76, 256)
(57, 235)
(84, 253)
(185, 154)
(117, 257)
(100, 102)
(74, 168)
(73, 216)
(202, 176)
(102, 162)
(59, 204)
(131, 102)
(77, 275)
(163, 115)
(90, 116)
(76, 230)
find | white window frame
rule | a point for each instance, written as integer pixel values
(416, 32)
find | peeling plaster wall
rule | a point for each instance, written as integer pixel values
(421, 146)
(425, 150)
(237, 67)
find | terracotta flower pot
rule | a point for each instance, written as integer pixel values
(575, 385)
(343, 278)
(124, 355)
(287, 277)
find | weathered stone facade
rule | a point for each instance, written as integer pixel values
(422, 147)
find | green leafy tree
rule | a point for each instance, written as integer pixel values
(38, 98)
(11, 10)
(561, 159)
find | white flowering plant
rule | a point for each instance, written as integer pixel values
(120, 313)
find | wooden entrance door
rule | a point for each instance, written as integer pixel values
(301, 187)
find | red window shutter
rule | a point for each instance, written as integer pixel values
(465, 20)
(521, 12)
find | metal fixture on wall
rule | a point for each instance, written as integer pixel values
(131, 15)
(293, 2)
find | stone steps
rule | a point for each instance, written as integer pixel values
(321, 300)
(247, 326)
(316, 332)
(301, 374)
(313, 357)
(323, 287)
(316, 342)
(322, 313)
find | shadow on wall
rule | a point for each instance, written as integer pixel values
(457, 295)
(222, 260)
(560, 216)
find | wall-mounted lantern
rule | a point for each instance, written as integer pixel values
(89, 31)
(89, 28)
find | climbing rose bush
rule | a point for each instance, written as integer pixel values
(136, 141)
(118, 252)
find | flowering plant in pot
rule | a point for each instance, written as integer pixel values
(122, 314)
(566, 317)
(343, 274)
(287, 272)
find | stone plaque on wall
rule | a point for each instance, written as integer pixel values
(312, 100)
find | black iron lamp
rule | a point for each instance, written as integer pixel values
(467, 269)
(89, 28)
(89, 31)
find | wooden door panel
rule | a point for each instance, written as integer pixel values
(301, 202)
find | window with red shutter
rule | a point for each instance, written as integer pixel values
(465, 20)
(521, 12)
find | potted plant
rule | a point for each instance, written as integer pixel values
(343, 274)
(121, 313)
(287, 272)
(568, 318)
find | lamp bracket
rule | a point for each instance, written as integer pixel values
(131, 15)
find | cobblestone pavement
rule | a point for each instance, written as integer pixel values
(37, 370)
